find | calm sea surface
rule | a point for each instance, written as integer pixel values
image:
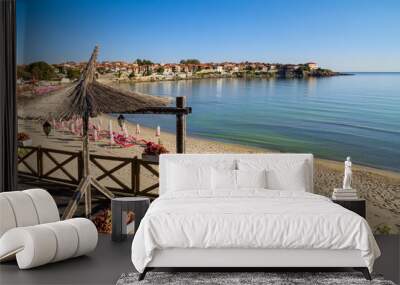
(330, 117)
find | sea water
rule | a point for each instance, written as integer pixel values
(333, 117)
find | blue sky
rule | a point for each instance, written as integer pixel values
(345, 35)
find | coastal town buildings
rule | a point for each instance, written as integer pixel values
(145, 70)
(312, 65)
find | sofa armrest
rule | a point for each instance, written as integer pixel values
(41, 244)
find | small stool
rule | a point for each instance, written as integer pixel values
(122, 222)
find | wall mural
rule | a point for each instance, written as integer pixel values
(239, 105)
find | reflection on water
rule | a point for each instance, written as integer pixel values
(311, 85)
(219, 83)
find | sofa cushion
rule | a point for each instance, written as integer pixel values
(7, 218)
(67, 240)
(87, 235)
(41, 244)
(45, 205)
(32, 246)
(26, 208)
(23, 208)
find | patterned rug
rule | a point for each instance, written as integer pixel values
(243, 278)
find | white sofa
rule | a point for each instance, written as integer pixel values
(31, 230)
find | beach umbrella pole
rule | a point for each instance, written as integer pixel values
(84, 188)
(86, 169)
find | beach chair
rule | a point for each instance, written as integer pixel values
(123, 141)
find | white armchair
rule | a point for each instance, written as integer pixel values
(31, 230)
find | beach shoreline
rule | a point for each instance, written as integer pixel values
(338, 165)
(253, 149)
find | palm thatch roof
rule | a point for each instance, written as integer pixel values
(91, 97)
(100, 98)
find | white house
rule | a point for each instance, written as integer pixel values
(312, 65)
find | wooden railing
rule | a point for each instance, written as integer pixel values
(32, 162)
(24, 153)
(150, 167)
(51, 165)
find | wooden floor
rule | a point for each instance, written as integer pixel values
(103, 266)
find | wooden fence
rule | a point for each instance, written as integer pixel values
(50, 165)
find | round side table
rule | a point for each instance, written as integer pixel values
(123, 222)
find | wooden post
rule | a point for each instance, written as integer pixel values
(133, 176)
(180, 126)
(86, 161)
(137, 174)
(85, 148)
(39, 157)
(80, 166)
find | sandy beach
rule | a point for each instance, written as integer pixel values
(380, 188)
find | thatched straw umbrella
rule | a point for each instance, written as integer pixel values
(90, 98)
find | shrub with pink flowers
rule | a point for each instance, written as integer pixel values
(23, 136)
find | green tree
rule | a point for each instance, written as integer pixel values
(160, 70)
(22, 73)
(101, 70)
(41, 71)
(190, 61)
(249, 68)
(197, 68)
(73, 73)
(143, 62)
